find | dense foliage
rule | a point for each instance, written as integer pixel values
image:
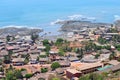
(55, 65)
(34, 37)
(43, 70)
(93, 76)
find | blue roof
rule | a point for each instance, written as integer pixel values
(105, 67)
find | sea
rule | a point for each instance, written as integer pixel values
(44, 14)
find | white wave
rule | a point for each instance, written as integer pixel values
(116, 17)
(54, 22)
(81, 17)
(76, 16)
(17, 26)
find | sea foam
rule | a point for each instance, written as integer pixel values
(18, 26)
(54, 22)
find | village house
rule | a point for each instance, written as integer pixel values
(32, 47)
(11, 43)
(104, 57)
(34, 51)
(2, 48)
(71, 54)
(84, 68)
(113, 62)
(41, 76)
(89, 59)
(75, 44)
(53, 53)
(41, 48)
(71, 73)
(73, 59)
(22, 53)
(107, 37)
(34, 58)
(44, 60)
(64, 63)
(42, 53)
(105, 51)
(3, 53)
(18, 61)
(15, 55)
(113, 69)
(60, 71)
(88, 68)
(12, 47)
(20, 50)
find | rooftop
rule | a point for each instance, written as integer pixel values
(73, 71)
(113, 62)
(85, 66)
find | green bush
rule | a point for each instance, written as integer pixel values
(92, 76)
(55, 65)
(28, 75)
(43, 70)
(23, 69)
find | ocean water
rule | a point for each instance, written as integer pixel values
(44, 13)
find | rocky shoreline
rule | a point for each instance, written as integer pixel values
(71, 25)
(18, 31)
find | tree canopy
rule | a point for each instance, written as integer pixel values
(55, 65)
(34, 37)
(92, 76)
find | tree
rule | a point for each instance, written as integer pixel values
(46, 42)
(80, 53)
(13, 74)
(10, 52)
(92, 76)
(95, 76)
(26, 60)
(112, 56)
(44, 70)
(1, 61)
(10, 75)
(108, 47)
(55, 65)
(47, 53)
(1, 69)
(59, 41)
(96, 56)
(18, 74)
(98, 47)
(47, 49)
(23, 69)
(76, 50)
(86, 77)
(8, 38)
(118, 49)
(102, 40)
(61, 53)
(34, 37)
(28, 76)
